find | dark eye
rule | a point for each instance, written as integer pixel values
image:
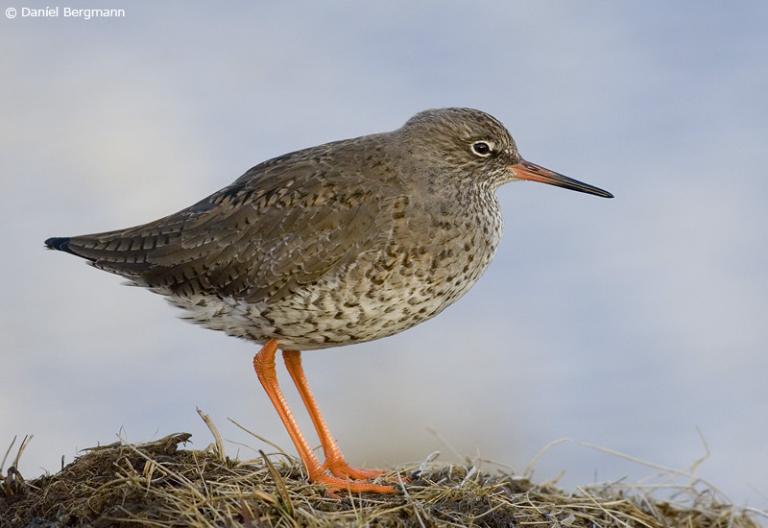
(481, 148)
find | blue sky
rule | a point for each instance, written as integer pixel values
(627, 323)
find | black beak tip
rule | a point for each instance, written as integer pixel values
(594, 191)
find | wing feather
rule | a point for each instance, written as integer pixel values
(275, 229)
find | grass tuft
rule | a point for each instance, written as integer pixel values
(161, 485)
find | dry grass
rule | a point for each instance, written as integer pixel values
(158, 484)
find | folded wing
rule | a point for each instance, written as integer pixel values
(276, 228)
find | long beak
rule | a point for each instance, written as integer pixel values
(525, 170)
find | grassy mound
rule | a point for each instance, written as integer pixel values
(158, 484)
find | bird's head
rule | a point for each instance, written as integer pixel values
(477, 144)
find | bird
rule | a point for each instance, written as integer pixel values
(332, 245)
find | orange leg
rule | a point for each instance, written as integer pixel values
(334, 460)
(264, 364)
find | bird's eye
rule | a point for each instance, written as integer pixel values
(481, 148)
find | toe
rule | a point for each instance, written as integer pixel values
(343, 470)
(332, 483)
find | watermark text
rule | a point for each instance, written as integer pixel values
(88, 13)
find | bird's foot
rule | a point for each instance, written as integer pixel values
(333, 484)
(339, 468)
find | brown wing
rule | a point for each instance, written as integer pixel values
(279, 226)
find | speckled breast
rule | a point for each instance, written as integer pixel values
(412, 278)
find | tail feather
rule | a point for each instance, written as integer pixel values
(110, 251)
(68, 245)
(59, 244)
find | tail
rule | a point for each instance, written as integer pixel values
(109, 251)
(59, 244)
(64, 244)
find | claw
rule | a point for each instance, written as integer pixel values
(340, 468)
(333, 484)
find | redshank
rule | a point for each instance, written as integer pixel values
(332, 245)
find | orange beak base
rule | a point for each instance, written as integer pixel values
(525, 170)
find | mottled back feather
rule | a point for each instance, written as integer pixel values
(283, 224)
